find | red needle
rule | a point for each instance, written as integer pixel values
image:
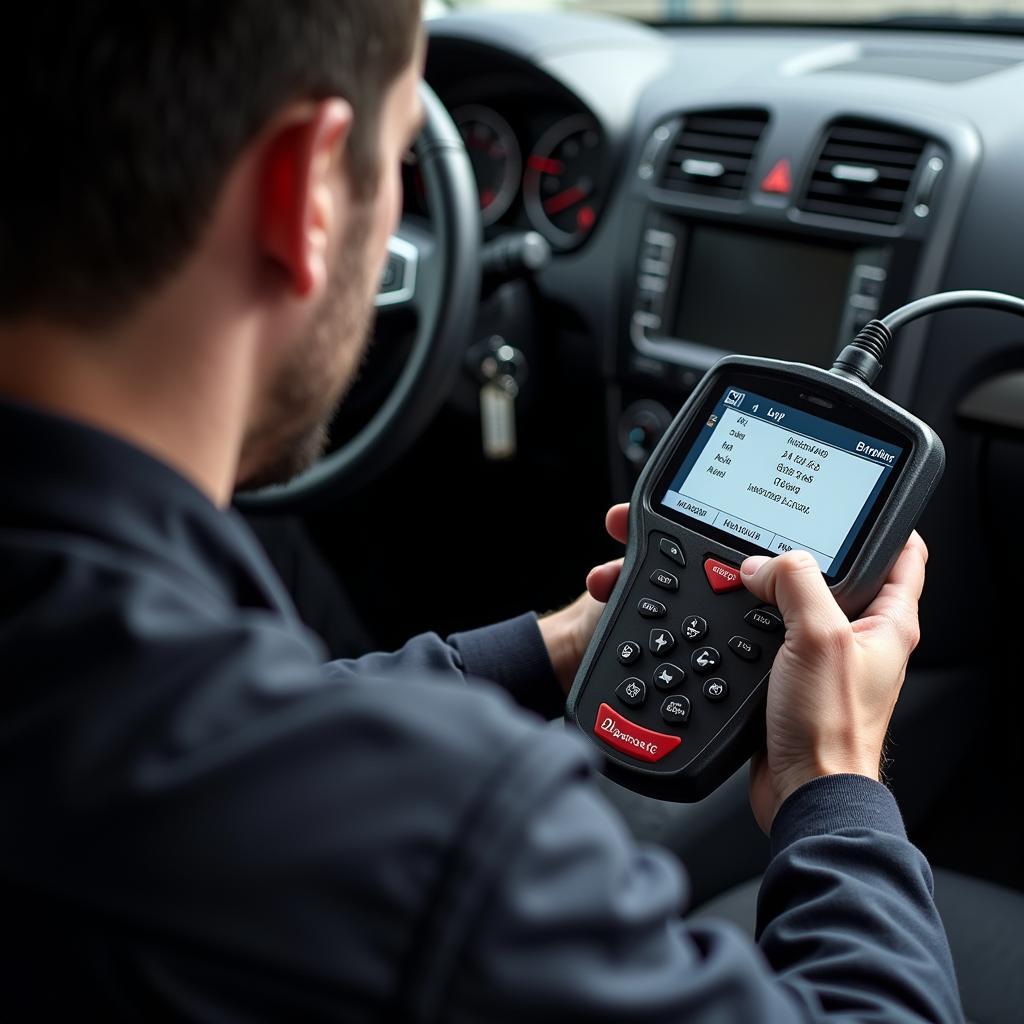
(563, 200)
(544, 165)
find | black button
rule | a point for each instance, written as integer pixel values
(632, 691)
(676, 710)
(668, 676)
(694, 628)
(665, 580)
(628, 652)
(670, 549)
(764, 618)
(745, 648)
(705, 660)
(651, 609)
(716, 689)
(662, 641)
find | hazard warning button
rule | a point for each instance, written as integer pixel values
(779, 179)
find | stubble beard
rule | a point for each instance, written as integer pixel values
(293, 433)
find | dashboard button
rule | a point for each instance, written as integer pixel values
(630, 738)
(632, 691)
(723, 578)
(694, 628)
(766, 619)
(671, 550)
(651, 609)
(716, 690)
(665, 580)
(628, 652)
(668, 676)
(744, 648)
(705, 660)
(676, 710)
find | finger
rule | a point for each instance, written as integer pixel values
(896, 603)
(794, 584)
(617, 522)
(601, 581)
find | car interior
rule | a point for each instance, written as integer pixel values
(599, 209)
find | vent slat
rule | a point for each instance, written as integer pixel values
(726, 126)
(889, 159)
(875, 137)
(731, 163)
(726, 137)
(715, 143)
(868, 155)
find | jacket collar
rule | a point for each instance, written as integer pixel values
(61, 476)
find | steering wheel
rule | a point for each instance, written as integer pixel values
(433, 272)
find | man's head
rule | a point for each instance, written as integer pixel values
(258, 133)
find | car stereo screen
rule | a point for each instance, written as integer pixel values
(782, 479)
(763, 296)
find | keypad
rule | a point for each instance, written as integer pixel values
(725, 652)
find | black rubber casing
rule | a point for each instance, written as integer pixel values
(722, 735)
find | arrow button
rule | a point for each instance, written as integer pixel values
(662, 641)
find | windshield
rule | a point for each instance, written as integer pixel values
(804, 11)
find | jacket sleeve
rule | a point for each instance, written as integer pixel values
(580, 924)
(511, 654)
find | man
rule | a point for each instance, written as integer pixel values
(200, 820)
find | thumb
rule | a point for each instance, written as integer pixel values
(794, 584)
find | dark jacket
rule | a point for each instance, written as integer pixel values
(201, 821)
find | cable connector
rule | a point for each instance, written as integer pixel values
(862, 360)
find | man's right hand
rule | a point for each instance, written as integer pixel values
(834, 683)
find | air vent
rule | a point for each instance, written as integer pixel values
(864, 172)
(713, 151)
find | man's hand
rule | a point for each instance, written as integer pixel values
(567, 633)
(834, 683)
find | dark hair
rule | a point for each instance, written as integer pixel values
(122, 118)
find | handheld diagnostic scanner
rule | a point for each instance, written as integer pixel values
(765, 457)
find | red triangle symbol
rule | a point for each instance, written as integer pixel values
(780, 179)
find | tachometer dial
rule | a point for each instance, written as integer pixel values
(496, 158)
(561, 184)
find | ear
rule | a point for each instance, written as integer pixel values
(301, 191)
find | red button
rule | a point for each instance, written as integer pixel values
(779, 179)
(630, 738)
(722, 577)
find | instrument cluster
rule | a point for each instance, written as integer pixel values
(532, 171)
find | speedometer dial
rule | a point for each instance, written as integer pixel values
(561, 185)
(495, 156)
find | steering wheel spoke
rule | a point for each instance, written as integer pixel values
(407, 274)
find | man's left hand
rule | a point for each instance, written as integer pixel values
(567, 633)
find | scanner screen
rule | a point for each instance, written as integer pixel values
(781, 478)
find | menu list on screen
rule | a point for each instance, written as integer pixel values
(781, 478)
